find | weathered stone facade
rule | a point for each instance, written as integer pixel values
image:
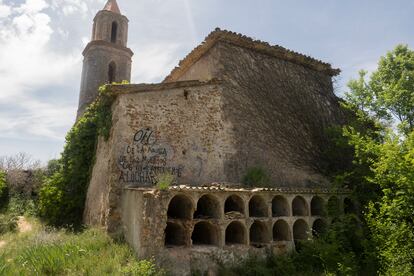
(106, 58)
(231, 105)
(194, 228)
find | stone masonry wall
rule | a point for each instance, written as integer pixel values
(279, 111)
(169, 128)
(194, 228)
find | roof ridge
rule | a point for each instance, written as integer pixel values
(247, 42)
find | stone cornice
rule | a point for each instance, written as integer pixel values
(106, 44)
(118, 89)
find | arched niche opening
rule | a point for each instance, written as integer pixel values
(205, 233)
(207, 207)
(281, 231)
(175, 235)
(235, 233)
(180, 207)
(114, 32)
(280, 206)
(349, 206)
(299, 207)
(300, 230)
(234, 207)
(319, 227)
(111, 72)
(333, 206)
(257, 207)
(317, 206)
(258, 233)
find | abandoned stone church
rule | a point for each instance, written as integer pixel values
(232, 104)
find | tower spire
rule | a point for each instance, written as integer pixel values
(112, 6)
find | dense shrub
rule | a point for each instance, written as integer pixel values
(342, 250)
(256, 177)
(4, 192)
(8, 223)
(63, 194)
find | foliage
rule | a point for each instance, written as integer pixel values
(4, 191)
(164, 181)
(8, 223)
(256, 177)
(341, 250)
(20, 205)
(388, 152)
(63, 194)
(50, 252)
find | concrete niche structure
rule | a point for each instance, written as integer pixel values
(232, 104)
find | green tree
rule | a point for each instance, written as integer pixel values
(387, 99)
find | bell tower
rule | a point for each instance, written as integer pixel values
(107, 58)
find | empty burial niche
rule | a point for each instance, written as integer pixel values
(180, 207)
(235, 233)
(281, 231)
(207, 207)
(300, 230)
(319, 227)
(258, 234)
(317, 206)
(280, 206)
(204, 233)
(349, 207)
(299, 207)
(174, 235)
(234, 207)
(257, 207)
(333, 206)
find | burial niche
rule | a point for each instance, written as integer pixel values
(174, 235)
(299, 206)
(257, 207)
(258, 233)
(204, 233)
(300, 230)
(234, 207)
(207, 207)
(280, 206)
(180, 207)
(281, 231)
(317, 206)
(235, 233)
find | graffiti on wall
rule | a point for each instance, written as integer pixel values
(146, 157)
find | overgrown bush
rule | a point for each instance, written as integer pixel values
(4, 191)
(8, 223)
(63, 194)
(256, 177)
(341, 250)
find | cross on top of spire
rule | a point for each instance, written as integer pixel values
(112, 6)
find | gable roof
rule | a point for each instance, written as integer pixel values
(249, 43)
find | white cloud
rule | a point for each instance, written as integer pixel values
(29, 64)
(5, 10)
(153, 62)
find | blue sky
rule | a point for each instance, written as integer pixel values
(41, 43)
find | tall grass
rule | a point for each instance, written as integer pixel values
(52, 252)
